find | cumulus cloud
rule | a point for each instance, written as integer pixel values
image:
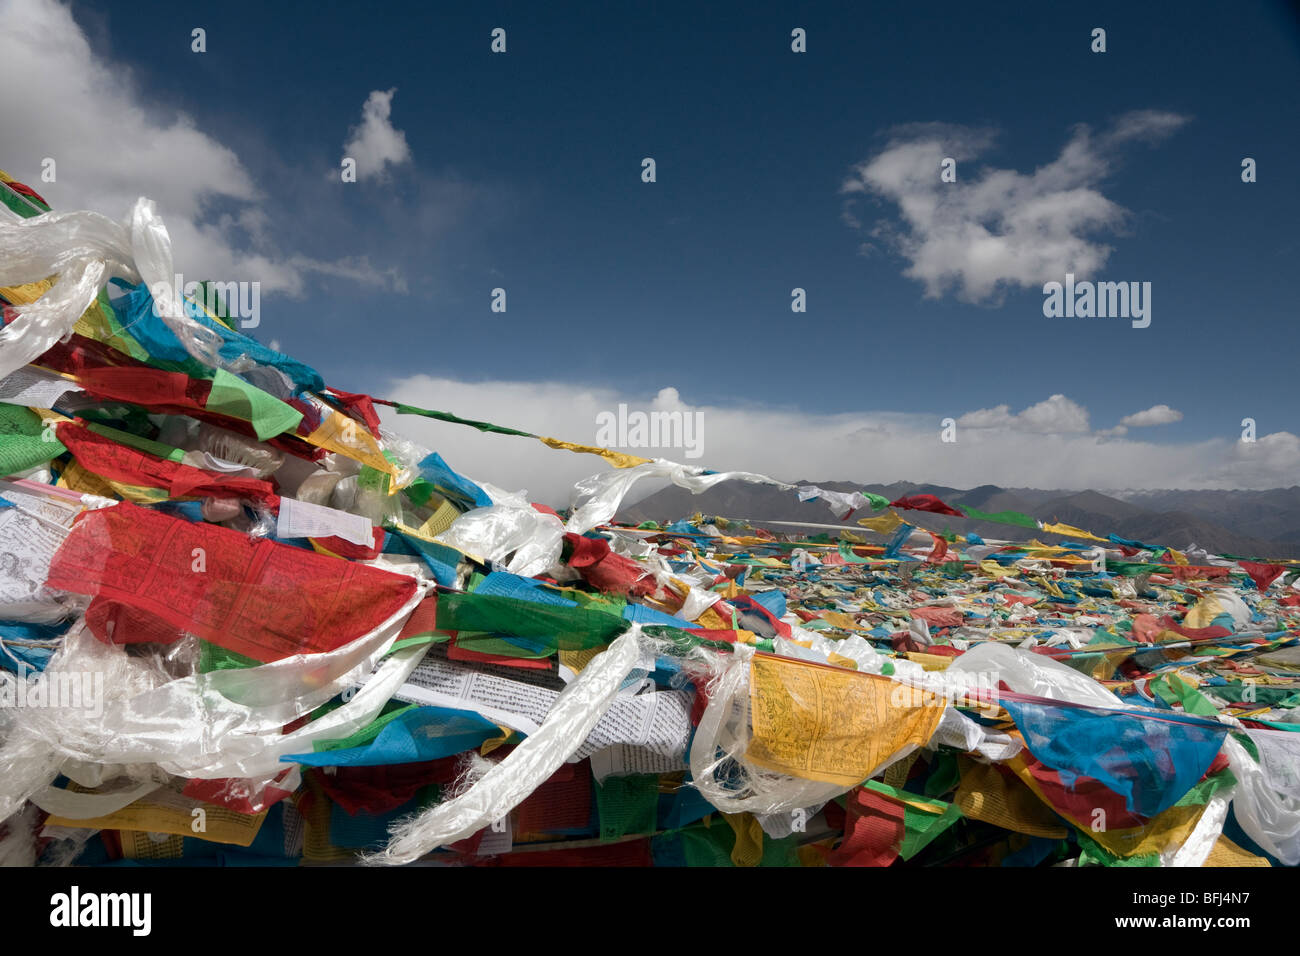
(374, 143)
(1269, 462)
(111, 144)
(1046, 446)
(995, 229)
(1053, 416)
(1155, 415)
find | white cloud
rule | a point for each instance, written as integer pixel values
(994, 229)
(111, 145)
(1155, 415)
(375, 143)
(1055, 415)
(1045, 446)
(1269, 462)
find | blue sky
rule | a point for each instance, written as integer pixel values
(522, 170)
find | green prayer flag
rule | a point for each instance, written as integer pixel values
(627, 805)
(24, 442)
(559, 628)
(155, 448)
(1001, 517)
(231, 395)
(455, 420)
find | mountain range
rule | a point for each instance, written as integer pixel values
(1262, 524)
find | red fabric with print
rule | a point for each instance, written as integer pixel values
(237, 794)
(606, 571)
(108, 459)
(380, 789)
(252, 596)
(1262, 574)
(939, 616)
(873, 831)
(925, 503)
(361, 405)
(563, 802)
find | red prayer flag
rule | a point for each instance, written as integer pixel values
(926, 503)
(256, 597)
(1262, 574)
(873, 833)
(117, 462)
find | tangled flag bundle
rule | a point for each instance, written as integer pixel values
(242, 620)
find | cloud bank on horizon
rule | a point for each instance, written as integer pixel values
(1048, 445)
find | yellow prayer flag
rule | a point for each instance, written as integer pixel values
(26, 294)
(1205, 611)
(828, 724)
(616, 458)
(995, 570)
(1227, 853)
(339, 433)
(168, 812)
(1070, 531)
(882, 524)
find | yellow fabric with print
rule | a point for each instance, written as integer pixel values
(748, 850)
(171, 813)
(930, 662)
(442, 518)
(882, 524)
(339, 433)
(844, 622)
(27, 293)
(995, 570)
(616, 458)
(829, 724)
(1204, 611)
(77, 478)
(985, 794)
(1070, 531)
(1227, 853)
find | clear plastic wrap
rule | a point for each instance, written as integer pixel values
(596, 499)
(1027, 673)
(717, 755)
(498, 791)
(1200, 842)
(1267, 799)
(82, 250)
(151, 250)
(227, 446)
(226, 723)
(527, 540)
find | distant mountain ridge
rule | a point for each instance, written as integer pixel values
(1262, 524)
